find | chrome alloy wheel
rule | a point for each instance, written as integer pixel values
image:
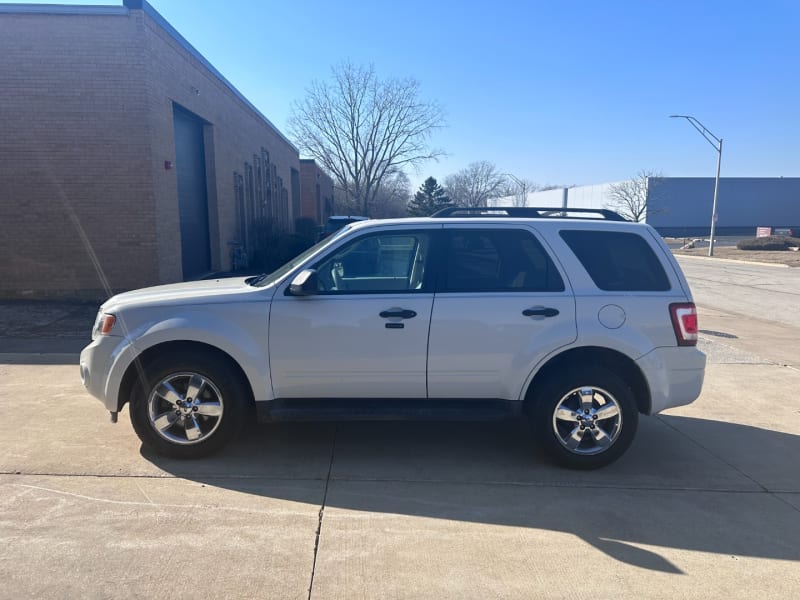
(587, 420)
(185, 408)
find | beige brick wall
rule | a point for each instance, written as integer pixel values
(73, 166)
(86, 118)
(311, 176)
(235, 133)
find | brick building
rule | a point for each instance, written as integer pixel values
(316, 192)
(126, 159)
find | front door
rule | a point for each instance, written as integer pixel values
(365, 334)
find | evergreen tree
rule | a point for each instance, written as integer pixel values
(430, 198)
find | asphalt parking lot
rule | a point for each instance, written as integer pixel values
(705, 504)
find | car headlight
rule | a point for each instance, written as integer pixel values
(103, 324)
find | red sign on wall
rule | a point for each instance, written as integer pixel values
(763, 231)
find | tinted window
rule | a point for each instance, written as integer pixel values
(616, 261)
(376, 263)
(497, 260)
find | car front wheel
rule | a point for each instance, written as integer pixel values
(584, 418)
(187, 407)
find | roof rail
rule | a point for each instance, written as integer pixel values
(529, 212)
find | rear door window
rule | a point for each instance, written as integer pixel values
(497, 260)
(618, 261)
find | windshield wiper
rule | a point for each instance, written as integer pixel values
(256, 279)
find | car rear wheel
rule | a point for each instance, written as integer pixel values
(584, 418)
(188, 407)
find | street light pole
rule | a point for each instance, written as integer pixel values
(521, 184)
(718, 147)
(714, 206)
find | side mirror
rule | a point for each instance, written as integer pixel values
(306, 283)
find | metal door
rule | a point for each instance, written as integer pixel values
(190, 164)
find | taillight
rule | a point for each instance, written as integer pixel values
(684, 322)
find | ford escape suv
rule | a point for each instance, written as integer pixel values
(576, 319)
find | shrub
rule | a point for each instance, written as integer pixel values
(772, 242)
(307, 228)
(272, 247)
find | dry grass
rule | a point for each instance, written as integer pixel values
(784, 257)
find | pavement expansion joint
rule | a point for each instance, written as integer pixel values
(164, 476)
(559, 485)
(322, 515)
(717, 456)
(786, 502)
(381, 480)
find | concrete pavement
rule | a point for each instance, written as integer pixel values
(752, 291)
(125, 537)
(705, 504)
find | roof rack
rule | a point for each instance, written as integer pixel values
(529, 212)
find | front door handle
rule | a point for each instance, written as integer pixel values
(540, 311)
(401, 313)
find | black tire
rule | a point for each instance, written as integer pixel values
(565, 386)
(216, 431)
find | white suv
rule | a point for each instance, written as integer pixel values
(578, 320)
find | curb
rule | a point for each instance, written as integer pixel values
(732, 261)
(39, 358)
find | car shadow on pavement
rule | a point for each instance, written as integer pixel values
(686, 483)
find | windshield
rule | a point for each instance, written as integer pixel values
(270, 278)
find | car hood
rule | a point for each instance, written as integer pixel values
(228, 289)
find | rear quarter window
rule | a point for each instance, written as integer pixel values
(618, 261)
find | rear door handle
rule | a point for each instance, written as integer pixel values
(540, 311)
(401, 313)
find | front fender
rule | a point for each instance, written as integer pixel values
(242, 334)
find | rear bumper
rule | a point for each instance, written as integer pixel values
(675, 376)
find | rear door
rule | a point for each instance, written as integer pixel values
(502, 304)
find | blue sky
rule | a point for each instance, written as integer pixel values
(560, 92)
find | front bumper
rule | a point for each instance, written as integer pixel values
(675, 376)
(95, 365)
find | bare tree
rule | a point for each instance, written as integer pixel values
(475, 185)
(343, 203)
(635, 197)
(392, 198)
(363, 129)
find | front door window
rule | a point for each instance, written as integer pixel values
(374, 264)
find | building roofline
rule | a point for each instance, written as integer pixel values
(143, 5)
(775, 177)
(317, 165)
(62, 9)
(165, 25)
